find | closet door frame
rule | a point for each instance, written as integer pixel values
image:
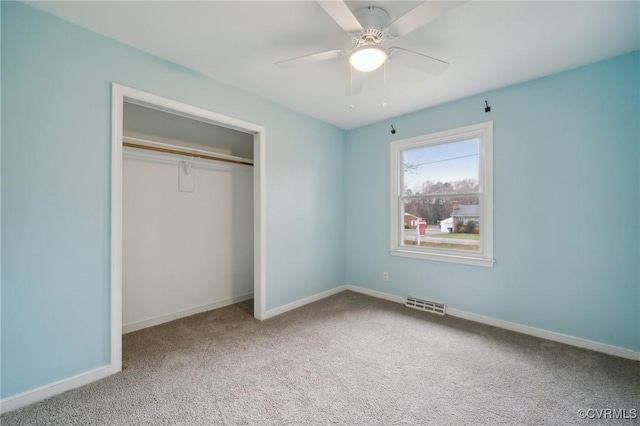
(121, 94)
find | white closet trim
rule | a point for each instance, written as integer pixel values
(119, 95)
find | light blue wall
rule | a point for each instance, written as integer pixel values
(566, 202)
(56, 181)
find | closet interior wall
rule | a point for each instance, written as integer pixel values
(187, 222)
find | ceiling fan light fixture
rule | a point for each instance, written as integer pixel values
(368, 58)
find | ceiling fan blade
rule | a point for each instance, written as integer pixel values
(316, 57)
(417, 61)
(421, 15)
(343, 16)
(356, 82)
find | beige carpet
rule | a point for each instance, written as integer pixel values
(349, 359)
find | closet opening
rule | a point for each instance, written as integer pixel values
(188, 213)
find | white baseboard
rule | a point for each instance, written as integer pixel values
(524, 329)
(128, 328)
(549, 335)
(298, 303)
(29, 397)
(375, 293)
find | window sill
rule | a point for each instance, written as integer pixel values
(465, 260)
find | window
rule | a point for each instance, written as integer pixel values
(445, 180)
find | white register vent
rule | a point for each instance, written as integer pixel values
(426, 305)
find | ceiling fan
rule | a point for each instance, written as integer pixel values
(369, 28)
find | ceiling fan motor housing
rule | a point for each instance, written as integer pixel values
(373, 20)
(367, 37)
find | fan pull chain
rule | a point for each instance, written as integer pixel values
(350, 87)
(384, 85)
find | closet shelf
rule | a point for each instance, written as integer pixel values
(181, 150)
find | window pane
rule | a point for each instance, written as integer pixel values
(451, 223)
(450, 168)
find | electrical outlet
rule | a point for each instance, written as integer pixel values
(385, 276)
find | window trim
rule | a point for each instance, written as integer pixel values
(482, 131)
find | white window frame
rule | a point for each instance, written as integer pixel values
(484, 256)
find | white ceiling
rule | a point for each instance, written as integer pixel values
(488, 44)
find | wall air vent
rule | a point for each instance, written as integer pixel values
(426, 305)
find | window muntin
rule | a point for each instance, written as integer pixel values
(445, 180)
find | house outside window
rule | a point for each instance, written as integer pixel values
(445, 180)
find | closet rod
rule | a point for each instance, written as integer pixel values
(187, 153)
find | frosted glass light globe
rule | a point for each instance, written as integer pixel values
(368, 58)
